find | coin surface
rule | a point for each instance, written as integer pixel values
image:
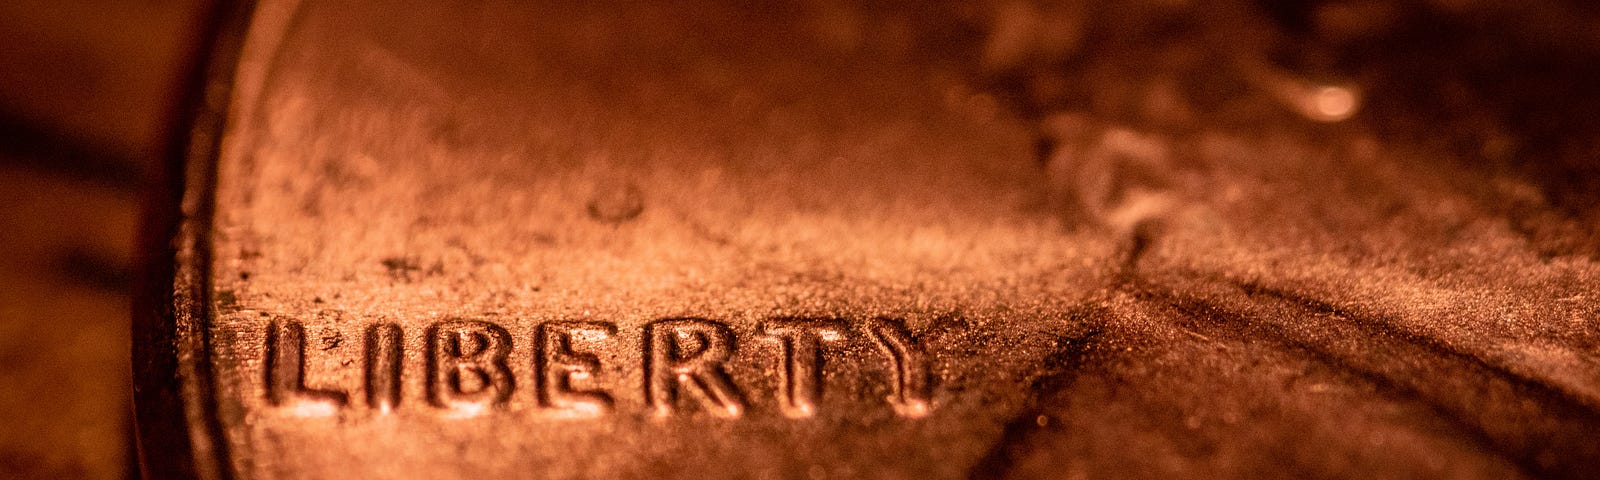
(719, 240)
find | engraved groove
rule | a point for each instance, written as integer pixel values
(1219, 324)
(1378, 326)
(1061, 368)
(1484, 423)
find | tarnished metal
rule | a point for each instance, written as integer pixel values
(712, 239)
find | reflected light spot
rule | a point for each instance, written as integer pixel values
(466, 410)
(313, 409)
(1332, 104)
(912, 408)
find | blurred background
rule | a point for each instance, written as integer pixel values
(90, 94)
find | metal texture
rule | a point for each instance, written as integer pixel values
(718, 240)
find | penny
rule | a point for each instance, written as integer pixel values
(718, 240)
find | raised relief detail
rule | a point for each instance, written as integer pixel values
(687, 354)
(909, 391)
(684, 367)
(467, 364)
(286, 372)
(800, 370)
(558, 365)
(384, 350)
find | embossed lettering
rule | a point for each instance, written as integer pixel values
(466, 367)
(286, 372)
(800, 372)
(467, 364)
(908, 391)
(558, 365)
(384, 348)
(689, 352)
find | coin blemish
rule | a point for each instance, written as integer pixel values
(400, 267)
(616, 205)
(227, 301)
(329, 339)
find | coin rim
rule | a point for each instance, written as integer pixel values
(177, 432)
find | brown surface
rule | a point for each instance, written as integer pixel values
(1260, 297)
(1404, 295)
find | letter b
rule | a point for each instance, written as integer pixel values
(467, 364)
